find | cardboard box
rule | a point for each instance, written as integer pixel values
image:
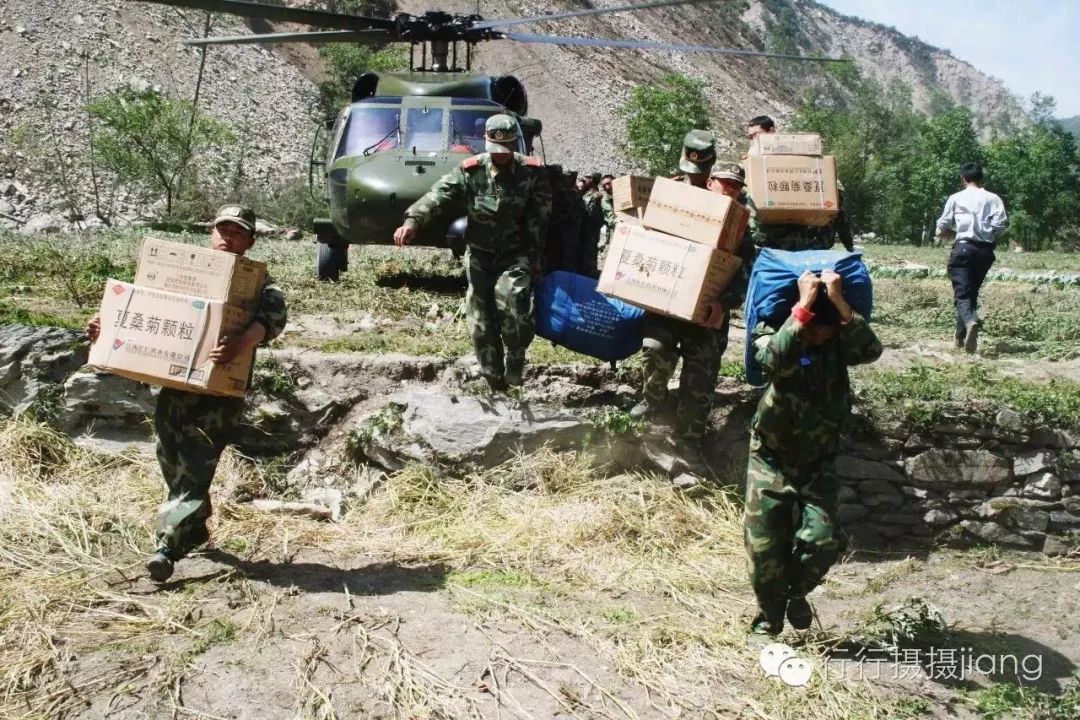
(165, 339)
(712, 219)
(786, 144)
(630, 217)
(665, 274)
(631, 191)
(793, 189)
(200, 271)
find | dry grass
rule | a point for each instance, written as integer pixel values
(650, 580)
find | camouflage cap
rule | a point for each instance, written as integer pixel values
(501, 132)
(728, 171)
(239, 214)
(698, 153)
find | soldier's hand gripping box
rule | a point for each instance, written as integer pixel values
(665, 274)
(793, 189)
(689, 212)
(786, 144)
(165, 339)
(630, 192)
(200, 271)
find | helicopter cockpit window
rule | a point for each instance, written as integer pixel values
(467, 130)
(424, 129)
(373, 129)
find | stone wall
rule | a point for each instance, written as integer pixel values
(998, 479)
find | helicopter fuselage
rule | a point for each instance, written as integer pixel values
(389, 147)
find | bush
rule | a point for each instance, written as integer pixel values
(148, 140)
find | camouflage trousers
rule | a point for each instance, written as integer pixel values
(791, 533)
(192, 432)
(665, 340)
(499, 310)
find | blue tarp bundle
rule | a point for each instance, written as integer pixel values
(570, 312)
(774, 289)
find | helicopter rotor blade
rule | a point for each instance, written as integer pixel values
(277, 13)
(312, 37)
(650, 45)
(490, 24)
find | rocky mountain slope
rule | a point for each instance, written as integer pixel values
(268, 95)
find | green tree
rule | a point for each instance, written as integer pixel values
(1037, 173)
(149, 141)
(657, 118)
(346, 61)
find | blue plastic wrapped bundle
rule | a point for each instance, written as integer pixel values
(774, 289)
(570, 312)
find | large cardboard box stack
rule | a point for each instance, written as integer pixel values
(791, 181)
(153, 334)
(630, 192)
(786, 144)
(674, 257)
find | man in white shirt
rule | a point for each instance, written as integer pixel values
(976, 218)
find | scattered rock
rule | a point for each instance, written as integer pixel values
(311, 510)
(1060, 547)
(43, 223)
(324, 497)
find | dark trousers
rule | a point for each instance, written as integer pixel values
(968, 265)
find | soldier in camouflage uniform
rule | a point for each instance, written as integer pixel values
(701, 348)
(507, 198)
(800, 237)
(698, 156)
(591, 227)
(792, 535)
(607, 205)
(193, 429)
(563, 240)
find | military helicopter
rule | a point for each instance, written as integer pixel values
(403, 131)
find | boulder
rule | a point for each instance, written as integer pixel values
(468, 432)
(995, 534)
(100, 399)
(848, 513)
(43, 223)
(1043, 486)
(850, 466)
(938, 468)
(35, 362)
(1032, 462)
(1060, 547)
(1011, 421)
(1052, 438)
(940, 518)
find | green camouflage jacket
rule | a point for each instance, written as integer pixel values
(808, 399)
(801, 237)
(594, 213)
(736, 290)
(607, 204)
(271, 312)
(507, 207)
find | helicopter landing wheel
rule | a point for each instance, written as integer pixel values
(331, 260)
